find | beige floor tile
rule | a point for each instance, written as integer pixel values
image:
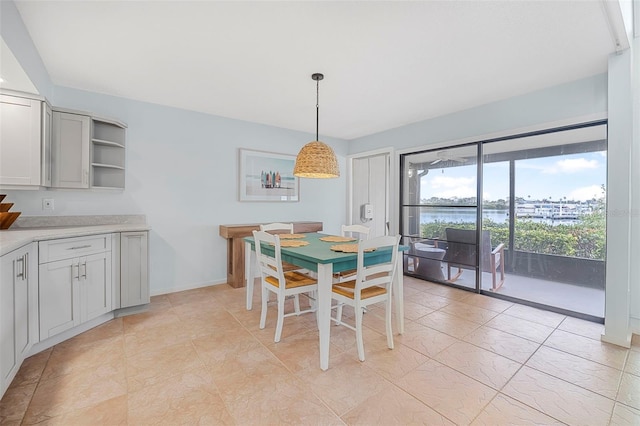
(448, 292)
(345, 385)
(71, 356)
(423, 339)
(14, 403)
(633, 363)
(112, 412)
(550, 319)
(75, 391)
(301, 351)
(452, 394)
(155, 338)
(190, 398)
(429, 300)
(559, 399)
(635, 342)
(594, 350)
(503, 343)
(581, 327)
(489, 303)
(625, 416)
(469, 312)
(197, 295)
(391, 364)
(507, 411)
(149, 319)
(393, 406)
(148, 368)
(32, 368)
(521, 327)
(590, 375)
(449, 324)
(629, 393)
(480, 364)
(413, 310)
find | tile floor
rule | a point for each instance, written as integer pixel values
(198, 357)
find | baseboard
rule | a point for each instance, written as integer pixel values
(187, 287)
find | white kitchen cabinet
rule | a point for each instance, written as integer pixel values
(18, 310)
(75, 282)
(134, 269)
(24, 141)
(107, 154)
(70, 150)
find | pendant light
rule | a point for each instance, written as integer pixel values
(316, 159)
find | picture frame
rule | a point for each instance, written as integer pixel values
(267, 176)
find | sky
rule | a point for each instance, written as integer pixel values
(576, 176)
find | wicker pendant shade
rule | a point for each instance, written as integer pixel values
(316, 159)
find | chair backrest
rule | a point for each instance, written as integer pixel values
(379, 274)
(278, 226)
(269, 265)
(361, 230)
(461, 248)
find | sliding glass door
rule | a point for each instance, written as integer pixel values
(440, 213)
(540, 200)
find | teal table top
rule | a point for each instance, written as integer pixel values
(320, 252)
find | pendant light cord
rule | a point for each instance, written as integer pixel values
(317, 107)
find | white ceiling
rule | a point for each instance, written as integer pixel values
(386, 64)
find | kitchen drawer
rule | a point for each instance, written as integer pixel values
(67, 248)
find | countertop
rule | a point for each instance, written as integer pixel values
(14, 238)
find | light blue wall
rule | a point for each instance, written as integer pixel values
(182, 173)
(182, 170)
(579, 98)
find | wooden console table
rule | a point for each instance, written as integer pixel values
(235, 246)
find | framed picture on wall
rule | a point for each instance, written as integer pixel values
(267, 176)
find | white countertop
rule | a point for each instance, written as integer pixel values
(12, 239)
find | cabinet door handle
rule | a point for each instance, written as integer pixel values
(79, 247)
(84, 275)
(75, 276)
(20, 274)
(25, 273)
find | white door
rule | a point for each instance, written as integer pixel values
(370, 192)
(59, 301)
(95, 285)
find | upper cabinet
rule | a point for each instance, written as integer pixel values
(107, 154)
(25, 137)
(88, 152)
(70, 150)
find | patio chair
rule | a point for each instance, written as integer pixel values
(461, 254)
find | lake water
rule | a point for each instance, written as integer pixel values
(469, 215)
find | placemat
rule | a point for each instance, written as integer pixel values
(293, 243)
(336, 239)
(290, 236)
(348, 248)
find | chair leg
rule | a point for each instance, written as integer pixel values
(265, 302)
(296, 304)
(388, 324)
(249, 294)
(359, 339)
(280, 318)
(339, 313)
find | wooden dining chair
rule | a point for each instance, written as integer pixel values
(372, 285)
(274, 279)
(360, 232)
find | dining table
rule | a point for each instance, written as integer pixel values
(318, 257)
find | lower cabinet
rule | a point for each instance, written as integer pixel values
(134, 269)
(18, 310)
(75, 289)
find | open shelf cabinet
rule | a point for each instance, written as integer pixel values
(107, 154)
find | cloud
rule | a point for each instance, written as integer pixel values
(585, 193)
(571, 165)
(451, 187)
